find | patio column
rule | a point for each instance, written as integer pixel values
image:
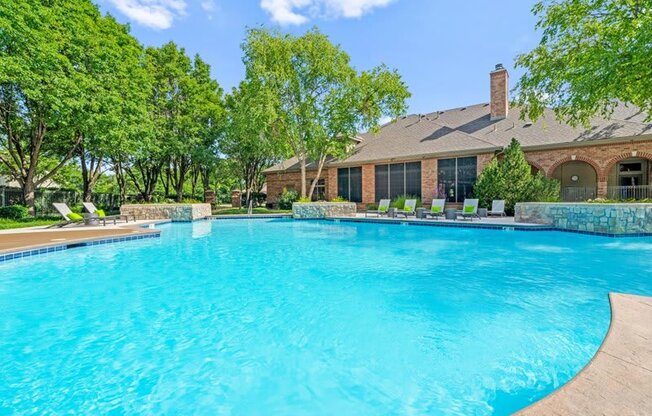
(368, 184)
(331, 184)
(602, 188)
(428, 180)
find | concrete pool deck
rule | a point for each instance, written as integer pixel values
(618, 379)
(41, 237)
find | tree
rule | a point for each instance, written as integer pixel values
(593, 54)
(511, 179)
(43, 86)
(249, 135)
(321, 101)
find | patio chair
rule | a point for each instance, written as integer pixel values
(69, 216)
(408, 209)
(90, 207)
(383, 208)
(469, 209)
(437, 208)
(497, 208)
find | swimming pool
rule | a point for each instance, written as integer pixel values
(248, 317)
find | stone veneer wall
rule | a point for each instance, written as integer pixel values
(602, 218)
(314, 210)
(174, 212)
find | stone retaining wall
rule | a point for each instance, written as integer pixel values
(315, 210)
(174, 212)
(601, 218)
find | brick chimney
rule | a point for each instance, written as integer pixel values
(499, 92)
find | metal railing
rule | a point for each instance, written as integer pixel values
(578, 193)
(629, 192)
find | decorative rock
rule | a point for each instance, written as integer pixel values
(582, 216)
(315, 210)
(174, 212)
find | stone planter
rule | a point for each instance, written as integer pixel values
(601, 218)
(316, 210)
(174, 212)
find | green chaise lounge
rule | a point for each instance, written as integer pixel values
(437, 209)
(69, 217)
(409, 208)
(383, 208)
(90, 207)
(469, 209)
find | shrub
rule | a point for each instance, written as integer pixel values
(288, 197)
(511, 179)
(399, 202)
(339, 199)
(304, 200)
(14, 212)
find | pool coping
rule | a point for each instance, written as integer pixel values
(618, 379)
(477, 225)
(139, 232)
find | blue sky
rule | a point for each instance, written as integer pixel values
(443, 49)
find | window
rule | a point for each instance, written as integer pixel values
(456, 178)
(398, 179)
(349, 184)
(320, 191)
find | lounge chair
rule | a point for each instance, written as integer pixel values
(69, 216)
(90, 207)
(408, 209)
(469, 209)
(497, 208)
(383, 208)
(437, 208)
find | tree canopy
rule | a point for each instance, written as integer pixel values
(593, 55)
(321, 101)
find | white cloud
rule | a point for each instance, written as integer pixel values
(157, 14)
(208, 5)
(296, 12)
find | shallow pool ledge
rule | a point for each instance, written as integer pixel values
(616, 219)
(618, 380)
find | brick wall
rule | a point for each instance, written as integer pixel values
(601, 157)
(368, 184)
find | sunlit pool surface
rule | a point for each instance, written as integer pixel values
(280, 317)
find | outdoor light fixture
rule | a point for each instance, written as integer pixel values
(575, 178)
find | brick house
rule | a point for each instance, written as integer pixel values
(441, 154)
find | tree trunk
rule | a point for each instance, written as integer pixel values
(313, 185)
(29, 192)
(120, 178)
(302, 161)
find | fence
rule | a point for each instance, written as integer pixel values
(629, 192)
(578, 193)
(44, 198)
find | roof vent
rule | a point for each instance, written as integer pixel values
(499, 66)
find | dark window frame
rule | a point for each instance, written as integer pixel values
(458, 179)
(348, 194)
(407, 185)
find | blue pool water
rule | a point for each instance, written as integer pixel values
(277, 317)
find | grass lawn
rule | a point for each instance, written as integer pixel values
(6, 224)
(259, 210)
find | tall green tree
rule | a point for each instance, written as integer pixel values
(593, 54)
(510, 178)
(44, 85)
(249, 138)
(321, 100)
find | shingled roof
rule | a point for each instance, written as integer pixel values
(469, 130)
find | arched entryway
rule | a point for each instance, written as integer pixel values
(578, 179)
(630, 178)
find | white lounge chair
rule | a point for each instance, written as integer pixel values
(497, 208)
(437, 208)
(90, 207)
(409, 208)
(469, 209)
(69, 217)
(383, 208)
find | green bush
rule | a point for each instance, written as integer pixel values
(339, 199)
(14, 212)
(399, 202)
(511, 179)
(288, 197)
(304, 200)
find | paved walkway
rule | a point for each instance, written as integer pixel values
(618, 380)
(39, 237)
